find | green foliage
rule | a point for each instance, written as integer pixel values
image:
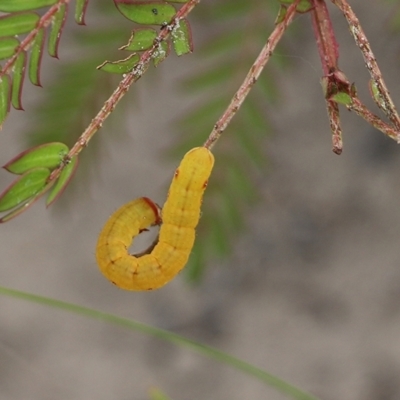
(154, 13)
(36, 57)
(13, 50)
(18, 80)
(24, 188)
(141, 39)
(18, 24)
(182, 38)
(55, 33)
(151, 13)
(49, 156)
(8, 47)
(35, 166)
(61, 112)
(60, 116)
(80, 9)
(4, 97)
(62, 181)
(303, 6)
(120, 66)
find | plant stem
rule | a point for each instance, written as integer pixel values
(252, 76)
(382, 99)
(360, 109)
(329, 55)
(325, 37)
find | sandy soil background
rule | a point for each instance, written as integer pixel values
(312, 293)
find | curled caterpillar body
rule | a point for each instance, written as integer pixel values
(180, 216)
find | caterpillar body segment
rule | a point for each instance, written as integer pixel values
(116, 237)
(180, 216)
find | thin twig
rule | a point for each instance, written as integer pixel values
(336, 129)
(329, 56)
(382, 98)
(360, 109)
(325, 36)
(252, 76)
(123, 87)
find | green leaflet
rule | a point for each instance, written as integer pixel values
(182, 38)
(4, 98)
(161, 53)
(55, 30)
(8, 47)
(151, 13)
(35, 167)
(303, 6)
(141, 39)
(16, 24)
(36, 57)
(376, 95)
(25, 205)
(49, 155)
(80, 9)
(24, 5)
(25, 187)
(18, 80)
(62, 181)
(342, 98)
(281, 14)
(120, 66)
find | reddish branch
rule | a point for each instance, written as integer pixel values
(325, 36)
(329, 55)
(252, 76)
(383, 98)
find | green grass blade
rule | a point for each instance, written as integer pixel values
(171, 337)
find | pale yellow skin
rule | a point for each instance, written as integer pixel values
(180, 216)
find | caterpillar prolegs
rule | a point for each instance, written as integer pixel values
(179, 216)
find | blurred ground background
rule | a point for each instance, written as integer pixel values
(311, 294)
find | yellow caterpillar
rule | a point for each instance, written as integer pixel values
(180, 216)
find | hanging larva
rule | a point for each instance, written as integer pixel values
(180, 216)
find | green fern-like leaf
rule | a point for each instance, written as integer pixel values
(14, 49)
